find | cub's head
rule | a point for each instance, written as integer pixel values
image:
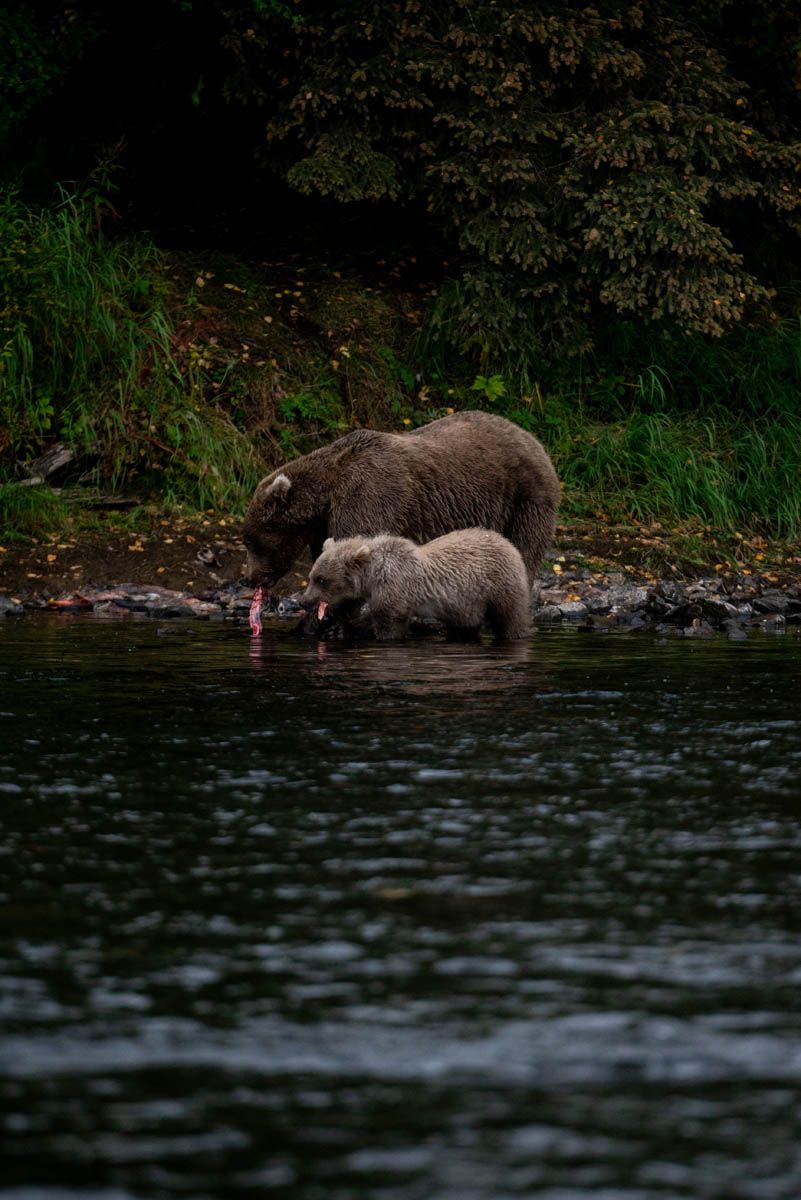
(276, 526)
(337, 575)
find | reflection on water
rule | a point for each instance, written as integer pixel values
(455, 921)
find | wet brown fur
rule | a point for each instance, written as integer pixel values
(469, 469)
(466, 579)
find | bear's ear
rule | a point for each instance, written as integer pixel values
(328, 543)
(361, 555)
(278, 489)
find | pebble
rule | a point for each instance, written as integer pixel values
(10, 608)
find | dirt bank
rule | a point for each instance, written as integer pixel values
(197, 552)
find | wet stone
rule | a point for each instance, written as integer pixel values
(10, 608)
(668, 591)
(627, 596)
(553, 595)
(166, 612)
(599, 623)
(627, 620)
(698, 629)
(771, 602)
(549, 614)
(573, 610)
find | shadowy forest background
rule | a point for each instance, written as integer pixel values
(230, 232)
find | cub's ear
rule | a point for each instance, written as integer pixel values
(361, 555)
(328, 543)
(278, 489)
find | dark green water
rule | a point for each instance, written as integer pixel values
(427, 921)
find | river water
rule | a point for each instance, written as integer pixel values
(425, 921)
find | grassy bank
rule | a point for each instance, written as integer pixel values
(182, 378)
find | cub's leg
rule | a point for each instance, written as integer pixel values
(390, 626)
(509, 616)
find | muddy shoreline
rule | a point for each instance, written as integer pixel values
(600, 578)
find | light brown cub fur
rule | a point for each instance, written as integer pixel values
(466, 579)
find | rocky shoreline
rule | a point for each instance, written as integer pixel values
(590, 602)
(696, 608)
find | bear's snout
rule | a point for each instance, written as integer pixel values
(306, 600)
(301, 600)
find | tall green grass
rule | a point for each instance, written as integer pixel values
(648, 424)
(652, 424)
(26, 511)
(712, 435)
(87, 355)
(717, 469)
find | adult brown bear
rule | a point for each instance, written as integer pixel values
(469, 469)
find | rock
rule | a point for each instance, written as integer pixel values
(698, 629)
(772, 623)
(735, 631)
(549, 614)
(628, 621)
(713, 611)
(627, 597)
(721, 610)
(705, 587)
(553, 595)
(168, 612)
(682, 614)
(771, 602)
(10, 608)
(667, 590)
(573, 610)
(599, 623)
(288, 607)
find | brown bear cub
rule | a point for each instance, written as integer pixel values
(465, 579)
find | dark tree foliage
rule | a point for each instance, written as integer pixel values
(36, 44)
(641, 160)
(581, 163)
